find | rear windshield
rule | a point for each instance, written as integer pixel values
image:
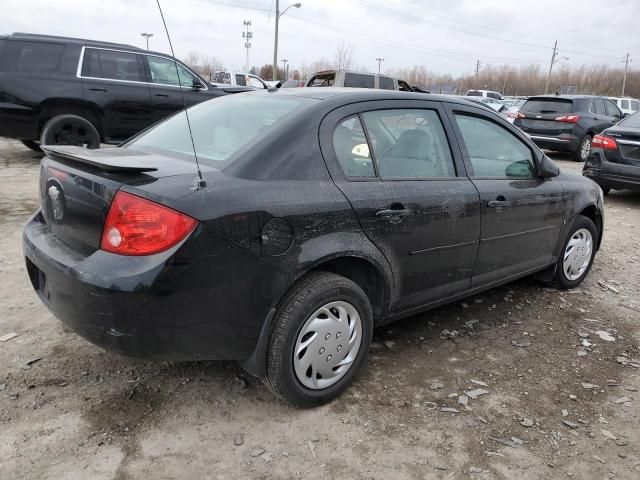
(359, 80)
(221, 127)
(30, 57)
(548, 105)
(323, 80)
(632, 121)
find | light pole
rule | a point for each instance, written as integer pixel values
(147, 36)
(626, 68)
(284, 67)
(247, 35)
(275, 44)
(379, 60)
(554, 59)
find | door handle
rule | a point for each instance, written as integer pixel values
(98, 89)
(160, 95)
(500, 203)
(393, 213)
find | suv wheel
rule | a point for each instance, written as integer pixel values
(35, 146)
(584, 149)
(577, 254)
(319, 339)
(70, 130)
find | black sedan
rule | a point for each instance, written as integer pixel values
(614, 162)
(307, 218)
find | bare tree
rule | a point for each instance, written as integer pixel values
(343, 56)
(192, 60)
(210, 64)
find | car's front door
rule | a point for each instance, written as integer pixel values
(172, 86)
(521, 213)
(410, 193)
(113, 81)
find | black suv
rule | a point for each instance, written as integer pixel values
(567, 123)
(81, 92)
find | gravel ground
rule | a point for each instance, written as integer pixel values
(561, 402)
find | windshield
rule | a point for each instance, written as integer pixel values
(632, 121)
(221, 127)
(548, 105)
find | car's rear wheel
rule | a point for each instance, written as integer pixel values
(70, 130)
(35, 146)
(577, 254)
(584, 149)
(319, 339)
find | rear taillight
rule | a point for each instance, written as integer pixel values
(136, 226)
(568, 119)
(604, 142)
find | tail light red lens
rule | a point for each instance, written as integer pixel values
(604, 142)
(136, 226)
(568, 119)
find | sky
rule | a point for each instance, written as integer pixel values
(445, 36)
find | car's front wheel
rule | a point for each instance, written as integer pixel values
(577, 254)
(584, 149)
(319, 339)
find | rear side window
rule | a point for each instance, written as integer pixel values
(635, 106)
(30, 57)
(386, 83)
(493, 95)
(322, 80)
(612, 110)
(494, 151)
(359, 80)
(241, 80)
(597, 107)
(409, 143)
(548, 105)
(624, 104)
(111, 64)
(352, 150)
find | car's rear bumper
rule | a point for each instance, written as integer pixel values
(197, 300)
(610, 174)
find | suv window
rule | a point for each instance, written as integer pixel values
(493, 150)
(359, 80)
(474, 93)
(30, 57)
(409, 143)
(386, 83)
(548, 105)
(241, 79)
(163, 71)
(323, 80)
(635, 106)
(111, 64)
(624, 104)
(352, 150)
(222, 77)
(255, 82)
(493, 95)
(597, 107)
(612, 109)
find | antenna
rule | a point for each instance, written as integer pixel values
(200, 183)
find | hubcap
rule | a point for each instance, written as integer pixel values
(577, 255)
(586, 148)
(72, 134)
(327, 345)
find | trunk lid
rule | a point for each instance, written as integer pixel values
(538, 116)
(77, 186)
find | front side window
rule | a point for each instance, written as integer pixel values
(30, 57)
(221, 128)
(352, 150)
(494, 151)
(359, 80)
(624, 104)
(111, 64)
(241, 79)
(409, 143)
(164, 72)
(386, 83)
(222, 77)
(255, 82)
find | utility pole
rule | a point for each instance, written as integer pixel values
(275, 45)
(379, 60)
(284, 67)
(477, 67)
(247, 35)
(147, 36)
(626, 68)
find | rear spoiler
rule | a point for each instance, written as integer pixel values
(112, 160)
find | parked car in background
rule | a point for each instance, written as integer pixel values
(512, 107)
(239, 79)
(567, 123)
(347, 78)
(292, 84)
(627, 105)
(492, 103)
(614, 162)
(287, 260)
(485, 94)
(70, 91)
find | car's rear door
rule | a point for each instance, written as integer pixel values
(394, 163)
(521, 213)
(113, 81)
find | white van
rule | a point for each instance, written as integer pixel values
(346, 78)
(238, 78)
(485, 94)
(626, 104)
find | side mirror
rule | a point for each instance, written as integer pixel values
(197, 85)
(547, 168)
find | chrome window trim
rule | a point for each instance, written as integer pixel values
(81, 61)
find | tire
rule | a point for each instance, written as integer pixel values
(285, 373)
(584, 149)
(35, 146)
(562, 278)
(70, 130)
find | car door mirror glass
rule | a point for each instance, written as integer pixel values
(521, 168)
